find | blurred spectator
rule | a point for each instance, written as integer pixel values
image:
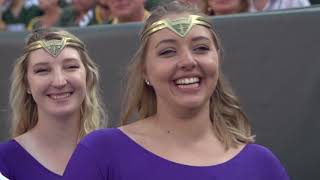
(201, 4)
(103, 12)
(51, 15)
(3, 7)
(315, 1)
(222, 7)
(19, 13)
(124, 11)
(268, 5)
(151, 4)
(81, 13)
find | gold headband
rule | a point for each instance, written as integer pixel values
(180, 26)
(53, 46)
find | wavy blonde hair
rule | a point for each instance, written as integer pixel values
(228, 120)
(23, 107)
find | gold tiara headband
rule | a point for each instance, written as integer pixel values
(180, 26)
(54, 46)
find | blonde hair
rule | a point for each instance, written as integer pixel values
(23, 107)
(228, 121)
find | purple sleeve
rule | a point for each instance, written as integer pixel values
(279, 169)
(272, 165)
(84, 164)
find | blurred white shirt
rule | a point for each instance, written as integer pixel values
(2, 177)
(280, 4)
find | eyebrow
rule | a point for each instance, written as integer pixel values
(70, 60)
(66, 60)
(40, 64)
(197, 38)
(166, 41)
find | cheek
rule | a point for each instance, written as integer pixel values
(81, 79)
(159, 72)
(211, 67)
(35, 85)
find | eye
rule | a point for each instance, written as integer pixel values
(167, 53)
(201, 49)
(41, 70)
(72, 67)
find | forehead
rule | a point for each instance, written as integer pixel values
(41, 56)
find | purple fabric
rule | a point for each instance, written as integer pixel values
(109, 154)
(17, 164)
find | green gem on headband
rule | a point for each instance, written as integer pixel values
(53, 46)
(180, 26)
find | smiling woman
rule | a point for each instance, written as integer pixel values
(190, 124)
(55, 102)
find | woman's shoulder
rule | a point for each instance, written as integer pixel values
(95, 152)
(263, 159)
(259, 151)
(8, 150)
(103, 138)
(8, 146)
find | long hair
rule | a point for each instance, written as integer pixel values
(23, 107)
(228, 120)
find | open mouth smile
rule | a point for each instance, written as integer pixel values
(60, 96)
(188, 83)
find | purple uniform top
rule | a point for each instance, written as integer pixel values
(109, 154)
(17, 164)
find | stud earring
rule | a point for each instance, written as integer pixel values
(147, 82)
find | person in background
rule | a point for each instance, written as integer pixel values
(51, 15)
(201, 4)
(3, 7)
(269, 5)
(103, 12)
(81, 13)
(124, 11)
(19, 13)
(315, 2)
(218, 7)
(55, 101)
(181, 121)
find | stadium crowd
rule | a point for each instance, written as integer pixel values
(20, 15)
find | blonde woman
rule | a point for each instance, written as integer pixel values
(54, 101)
(190, 125)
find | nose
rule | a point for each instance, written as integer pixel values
(187, 61)
(59, 80)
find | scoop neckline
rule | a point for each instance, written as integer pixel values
(158, 157)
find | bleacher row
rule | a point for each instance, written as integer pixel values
(21, 15)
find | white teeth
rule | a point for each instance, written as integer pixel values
(60, 96)
(187, 80)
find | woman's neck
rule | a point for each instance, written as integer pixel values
(52, 141)
(187, 124)
(57, 131)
